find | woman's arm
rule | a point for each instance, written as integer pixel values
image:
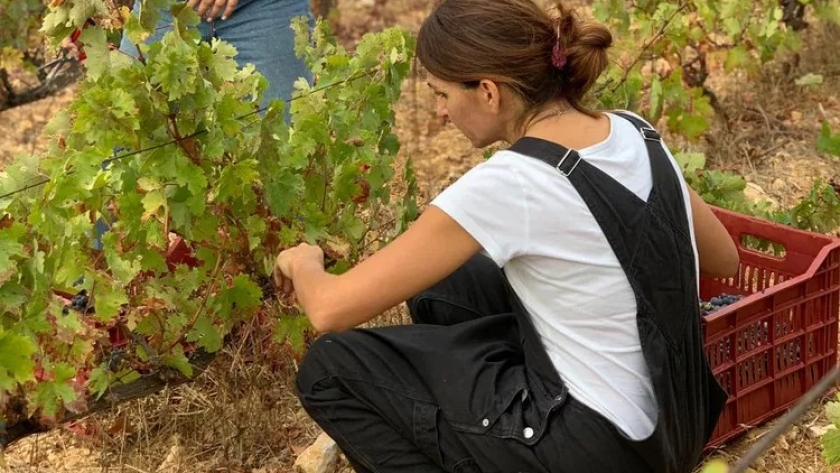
(433, 247)
(716, 250)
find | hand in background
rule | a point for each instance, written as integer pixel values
(210, 9)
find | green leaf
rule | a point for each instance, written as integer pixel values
(828, 142)
(283, 193)
(691, 162)
(831, 447)
(174, 67)
(691, 126)
(205, 334)
(99, 381)
(655, 99)
(16, 364)
(243, 295)
(810, 79)
(51, 395)
(98, 60)
(10, 249)
(222, 62)
(108, 299)
(737, 57)
(123, 269)
(178, 360)
(832, 411)
(292, 329)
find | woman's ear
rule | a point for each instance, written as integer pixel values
(490, 95)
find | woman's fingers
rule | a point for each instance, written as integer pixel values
(288, 287)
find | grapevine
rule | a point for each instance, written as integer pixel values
(199, 171)
(28, 71)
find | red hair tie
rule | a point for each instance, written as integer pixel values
(558, 56)
(558, 53)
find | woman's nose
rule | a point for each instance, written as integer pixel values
(442, 112)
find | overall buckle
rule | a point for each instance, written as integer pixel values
(650, 134)
(576, 157)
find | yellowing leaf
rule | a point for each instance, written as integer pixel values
(715, 466)
(152, 202)
(810, 79)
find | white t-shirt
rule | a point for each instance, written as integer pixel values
(530, 220)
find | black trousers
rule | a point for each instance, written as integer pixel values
(450, 393)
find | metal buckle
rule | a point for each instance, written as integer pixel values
(654, 135)
(563, 159)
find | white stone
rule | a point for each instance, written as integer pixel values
(320, 457)
(816, 431)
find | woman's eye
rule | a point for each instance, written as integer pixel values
(441, 95)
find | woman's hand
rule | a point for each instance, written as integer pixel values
(292, 258)
(210, 9)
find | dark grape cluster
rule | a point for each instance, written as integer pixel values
(718, 302)
(79, 303)
(115, 359)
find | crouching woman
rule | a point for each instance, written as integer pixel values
(553, 287)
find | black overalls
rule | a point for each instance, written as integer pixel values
(469, 386)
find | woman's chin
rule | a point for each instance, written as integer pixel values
(479, 143)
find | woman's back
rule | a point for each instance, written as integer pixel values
(558, 261)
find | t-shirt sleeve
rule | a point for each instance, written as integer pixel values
(489, 202)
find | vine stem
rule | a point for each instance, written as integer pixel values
(645, 46)
(789, 419)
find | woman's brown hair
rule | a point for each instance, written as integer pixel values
(512, 42)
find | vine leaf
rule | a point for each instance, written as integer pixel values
(16, 363)
(828, 141)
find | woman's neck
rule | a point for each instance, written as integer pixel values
(567, 127)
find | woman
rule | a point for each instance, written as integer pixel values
(554, 287)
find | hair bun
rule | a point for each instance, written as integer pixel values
(585, 42)
(575, 31)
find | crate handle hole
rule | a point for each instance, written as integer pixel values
(763, 246)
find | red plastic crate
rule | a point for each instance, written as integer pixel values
(772, 346)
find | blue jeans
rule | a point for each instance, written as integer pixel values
(260, 30)
(261, 33)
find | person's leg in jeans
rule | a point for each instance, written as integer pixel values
(260, 30)
(375, 406)
(364, 389)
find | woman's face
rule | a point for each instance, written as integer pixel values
(475, 111)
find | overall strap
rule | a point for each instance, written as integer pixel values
(666, 180)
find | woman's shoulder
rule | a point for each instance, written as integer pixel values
(619, 112)
(502, 164)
